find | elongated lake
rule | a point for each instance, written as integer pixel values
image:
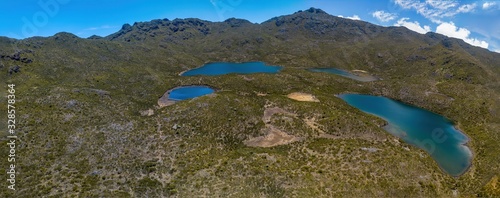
(221, 68)
(429, 131)
(188, 92)
(362, 78)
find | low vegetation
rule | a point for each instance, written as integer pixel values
(83, 131)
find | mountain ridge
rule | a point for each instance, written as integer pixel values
(194, 21)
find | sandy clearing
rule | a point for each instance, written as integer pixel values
(358, 70)
(303, 97)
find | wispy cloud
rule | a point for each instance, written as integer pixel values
(353, 17)
(442, 4)
(415, 26)
(384, 16)
(436, 10)
(100, 27)
(466, 8)
(488, 5)
(449, 29)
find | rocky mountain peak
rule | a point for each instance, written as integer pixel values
(315, 11)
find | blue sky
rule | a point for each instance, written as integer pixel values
(476, 22)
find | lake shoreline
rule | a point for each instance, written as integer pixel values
(463, 146)
(466, 145)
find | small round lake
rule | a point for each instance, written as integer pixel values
(189, 92)
(221, 68)
(429, 131)
(363, 77)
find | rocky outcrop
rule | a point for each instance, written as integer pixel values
(14, 69)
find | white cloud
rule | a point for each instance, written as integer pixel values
(497, 51)
(449, 29)
(353, 17)
(466, 8)
(441, 4)
(407, 4)
(488, 5)
(435, 10)
(384, 16)
(415, 26)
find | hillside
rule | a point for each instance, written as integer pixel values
(80, 129)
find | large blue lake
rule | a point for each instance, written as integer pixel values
(221, 68)
(362, 78)
(188, 92)
(429, 131)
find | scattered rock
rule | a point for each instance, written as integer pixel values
(96, 172)
(261, 94)
(67, 117)
(14, 69)
(26, 60)
(72, 103)
(371, 150)
(176, 126)
(148, 112)
(16, 56)
(415, 57)
(122, 127)
(100, 92)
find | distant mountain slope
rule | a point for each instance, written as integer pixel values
(314, 30)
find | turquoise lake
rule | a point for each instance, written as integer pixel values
(189, 92)
(221, 68)
(344, 73)
(429, 131)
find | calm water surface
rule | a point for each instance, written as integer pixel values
(221, 68)
(188, 92)
(429, 131)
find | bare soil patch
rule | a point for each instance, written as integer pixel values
(303, 97)
(274, 137)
